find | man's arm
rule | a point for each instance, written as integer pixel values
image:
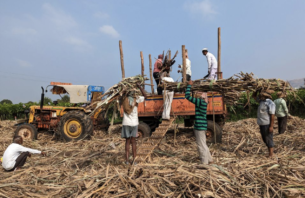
(271, 113)
(142, 91)
(25, 149)
(285, 107)
(188, 93)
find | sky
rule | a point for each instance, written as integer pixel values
(77, 41)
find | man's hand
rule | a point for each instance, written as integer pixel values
(206, 76)
(271, 129)
(179, 71)
(190, 82)
(179, 66)
(43, 154)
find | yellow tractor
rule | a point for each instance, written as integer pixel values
(71, 123)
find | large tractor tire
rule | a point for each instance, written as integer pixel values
(144, 130)
(75, 125)
(211, 133)
(28, 132)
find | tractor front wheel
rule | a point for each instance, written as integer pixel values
(75, 125)
(28, 132)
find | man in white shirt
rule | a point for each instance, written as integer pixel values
(130, 123)
(212, 64)
(15, 155)
(188, 68)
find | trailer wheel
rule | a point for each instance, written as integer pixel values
(210, 132)
(28, 132)
(75, 125)
(143, 130)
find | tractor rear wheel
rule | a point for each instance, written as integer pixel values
(211, 133)
(28, 132)
(75, 125)
(143, 130)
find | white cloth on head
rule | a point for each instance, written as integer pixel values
(12, 153)
(188, 67)
(203, 149)
(132, 119)
(167, 106)
(168, 99)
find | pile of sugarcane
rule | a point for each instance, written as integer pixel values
(232, 87)
(117, 92)
(167, 61)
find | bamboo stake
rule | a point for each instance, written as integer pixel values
(122, 59)
(142, 66)
(151, 75)
(184, 63)
(219, 73)
(170, 57)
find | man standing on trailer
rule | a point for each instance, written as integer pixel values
(156, 73)
(212, 64)
(201, 124)
(130, 122)
(265, 118)
(188, 68)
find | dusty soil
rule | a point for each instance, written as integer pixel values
(94, 168)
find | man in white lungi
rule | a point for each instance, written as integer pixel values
(212, 64)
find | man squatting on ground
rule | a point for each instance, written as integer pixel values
(201, 123)
(168, 97)
(15, 155)
(188, 68)
(281, 112)
(265, 119)
(156, 73)
(130, 122)
(212, 64)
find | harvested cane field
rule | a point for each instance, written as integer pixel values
(93, 168)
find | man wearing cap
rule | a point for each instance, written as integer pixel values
(212, 64)
(281, 112)
(201, 123)
(265, 118)
(157, 70)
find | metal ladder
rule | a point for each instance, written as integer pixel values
(148, 145)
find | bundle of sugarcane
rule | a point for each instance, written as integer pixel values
(116, 92)
(167, 62)
(232, 87)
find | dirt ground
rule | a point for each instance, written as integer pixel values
(94, 168)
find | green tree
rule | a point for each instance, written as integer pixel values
(6, 101)
(47, 101)
(65, 99)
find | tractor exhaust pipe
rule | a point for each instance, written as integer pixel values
(42, 99)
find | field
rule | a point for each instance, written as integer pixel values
(94, 168)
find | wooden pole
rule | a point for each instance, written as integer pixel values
(151, 75)
(219, 73)
(122, 59)
(169, 58)
(142, 66)
(184, 63)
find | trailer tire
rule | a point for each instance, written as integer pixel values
(211, 132)
(75, 125)
(27, 132)
(144, 130)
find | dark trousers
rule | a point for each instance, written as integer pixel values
(21, 159)
(157, 79)
(188, 77)
(282, 124)
(266, 135)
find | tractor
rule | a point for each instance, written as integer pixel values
(71, 123)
